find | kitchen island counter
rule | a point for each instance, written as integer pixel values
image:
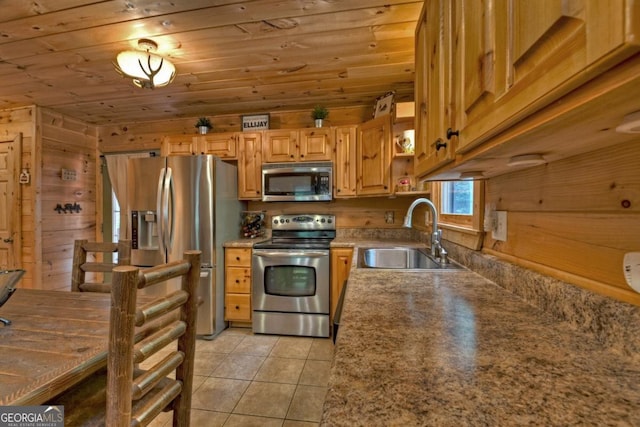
(453, 348)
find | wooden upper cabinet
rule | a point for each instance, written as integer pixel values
(373, 157)
(433, 88)
(344, 173)
(316, 144)
(280, 146)
(519, 56)
(219, 144)
(306, 145)
(178, 145)
(250, 165)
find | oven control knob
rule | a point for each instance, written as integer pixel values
(287, 221)
(329, 221)
(322, 220)
(275, 221)
(282, 221)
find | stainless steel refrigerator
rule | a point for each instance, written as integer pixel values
(179, 203)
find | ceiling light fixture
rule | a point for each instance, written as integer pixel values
(146, 69)
(526, 160)
(630, 123)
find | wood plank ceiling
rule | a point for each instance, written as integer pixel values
(231, 56)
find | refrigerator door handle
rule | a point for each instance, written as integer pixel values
(160, 210)
(169, 204)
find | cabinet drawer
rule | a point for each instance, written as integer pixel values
(238, 280)
(238, 307)
(237, 257)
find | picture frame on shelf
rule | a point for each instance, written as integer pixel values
(384, 105)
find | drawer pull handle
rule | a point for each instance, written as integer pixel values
(237, 307)
(452, 133)
(440, 144)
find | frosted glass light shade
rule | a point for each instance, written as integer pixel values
(141, 66)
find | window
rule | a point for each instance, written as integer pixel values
(458, 203)
(456, 198)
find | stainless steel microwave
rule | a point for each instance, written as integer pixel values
(299, 182)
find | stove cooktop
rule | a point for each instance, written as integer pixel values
(300, 231)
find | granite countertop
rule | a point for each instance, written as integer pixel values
(453, 348)
(244, 242)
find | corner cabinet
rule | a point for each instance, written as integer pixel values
(373, 157)
(237, 284)
(250, 165)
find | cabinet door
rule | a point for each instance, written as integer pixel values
(340, 267)
(250, 165)
(373, 157)
(316, 144)
(280, 146)
(436, 146)
(219, 144)
(520, 55)
(178, 145)
(345, 167)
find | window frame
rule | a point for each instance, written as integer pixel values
(469, 222)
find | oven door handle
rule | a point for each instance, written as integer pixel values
(290, 254)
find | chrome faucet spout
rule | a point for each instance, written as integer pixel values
(437, 251)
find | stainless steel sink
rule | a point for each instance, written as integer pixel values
(401, 258)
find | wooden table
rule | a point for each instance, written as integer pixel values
(56, 339)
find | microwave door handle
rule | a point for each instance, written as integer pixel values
(290, 254)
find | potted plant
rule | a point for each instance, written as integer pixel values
(203, 124)
(319, 113)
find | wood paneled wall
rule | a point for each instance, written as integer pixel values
(148, 135)
(68, 144)
(574, 219)
(51, 142)
(365, 212)
(22, 121)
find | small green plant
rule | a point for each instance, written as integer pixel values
(204, 121)
(319, 112)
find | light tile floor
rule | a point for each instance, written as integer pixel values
(242, 379)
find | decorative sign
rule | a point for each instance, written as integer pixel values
(384, 105)
(255, 122)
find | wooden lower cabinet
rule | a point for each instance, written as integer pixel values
(237, 282)
(340, 267)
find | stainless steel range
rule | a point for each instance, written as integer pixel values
(291, 276)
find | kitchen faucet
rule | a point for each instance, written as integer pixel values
(437, 251)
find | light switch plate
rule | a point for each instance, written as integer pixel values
(631, 269)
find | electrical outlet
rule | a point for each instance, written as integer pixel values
(499, 231)
(388, 217)
(631, 270)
